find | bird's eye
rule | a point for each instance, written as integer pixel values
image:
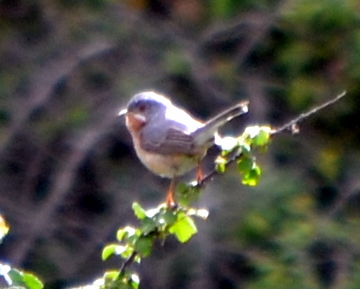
(142, 107)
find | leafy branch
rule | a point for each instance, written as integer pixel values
(15, 278)
(135, 243)
(261, 136)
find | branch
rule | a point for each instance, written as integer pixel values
(178, 220)
(291, 125)
(207, 178)
(127, 263)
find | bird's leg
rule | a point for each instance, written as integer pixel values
(170, 199)
(199, 173)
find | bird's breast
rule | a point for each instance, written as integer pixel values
(165, 165)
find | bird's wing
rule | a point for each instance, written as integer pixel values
(173, 141)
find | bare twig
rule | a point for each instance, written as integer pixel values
(127, 262)
(291, 124)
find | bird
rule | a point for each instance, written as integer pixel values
(167, 139)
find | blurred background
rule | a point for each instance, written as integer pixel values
(68, 172)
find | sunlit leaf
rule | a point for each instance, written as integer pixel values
(127, 252)
(4, 229)
(244, 148)
(220, 164)
(32, 282)
(137, 259)
(134, 281)
(111, 275)
(245, 164)
(153, 212)
(139, 211)
(252, 177)
(252, 131)
(184, 228)
(125, 233)
(263, 136)
(112, 249)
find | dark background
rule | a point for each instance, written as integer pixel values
(68, 173)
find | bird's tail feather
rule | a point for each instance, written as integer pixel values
(203, 134)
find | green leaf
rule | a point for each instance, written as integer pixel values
(32, 282)
(144, 245)
(107, 252)
(263, 136)
(24, 280)
(16, 277)
(244, 148)
(120, 280)
(125, 232)
(252, 177)
(127, 252)
(134, 281)
(139, 211)
(245, 164)
(257, 135)
(184, 228)
(111, 276)
(188, 194)
(220, 164)
(148, 225)
(112, 249)
(169, 217)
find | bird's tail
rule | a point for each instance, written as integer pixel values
(205, 133)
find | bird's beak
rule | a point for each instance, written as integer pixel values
(137, 116)
(122, 112)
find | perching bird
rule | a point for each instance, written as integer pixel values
(167, 139)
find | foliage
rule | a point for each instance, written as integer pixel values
(65, 171)
(157, 224)
(15, 278)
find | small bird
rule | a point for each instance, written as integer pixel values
(167, 139)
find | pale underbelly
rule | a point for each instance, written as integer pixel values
(167, 165)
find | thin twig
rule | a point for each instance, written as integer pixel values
(127, 262)
(302, 116)
(214, 172)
